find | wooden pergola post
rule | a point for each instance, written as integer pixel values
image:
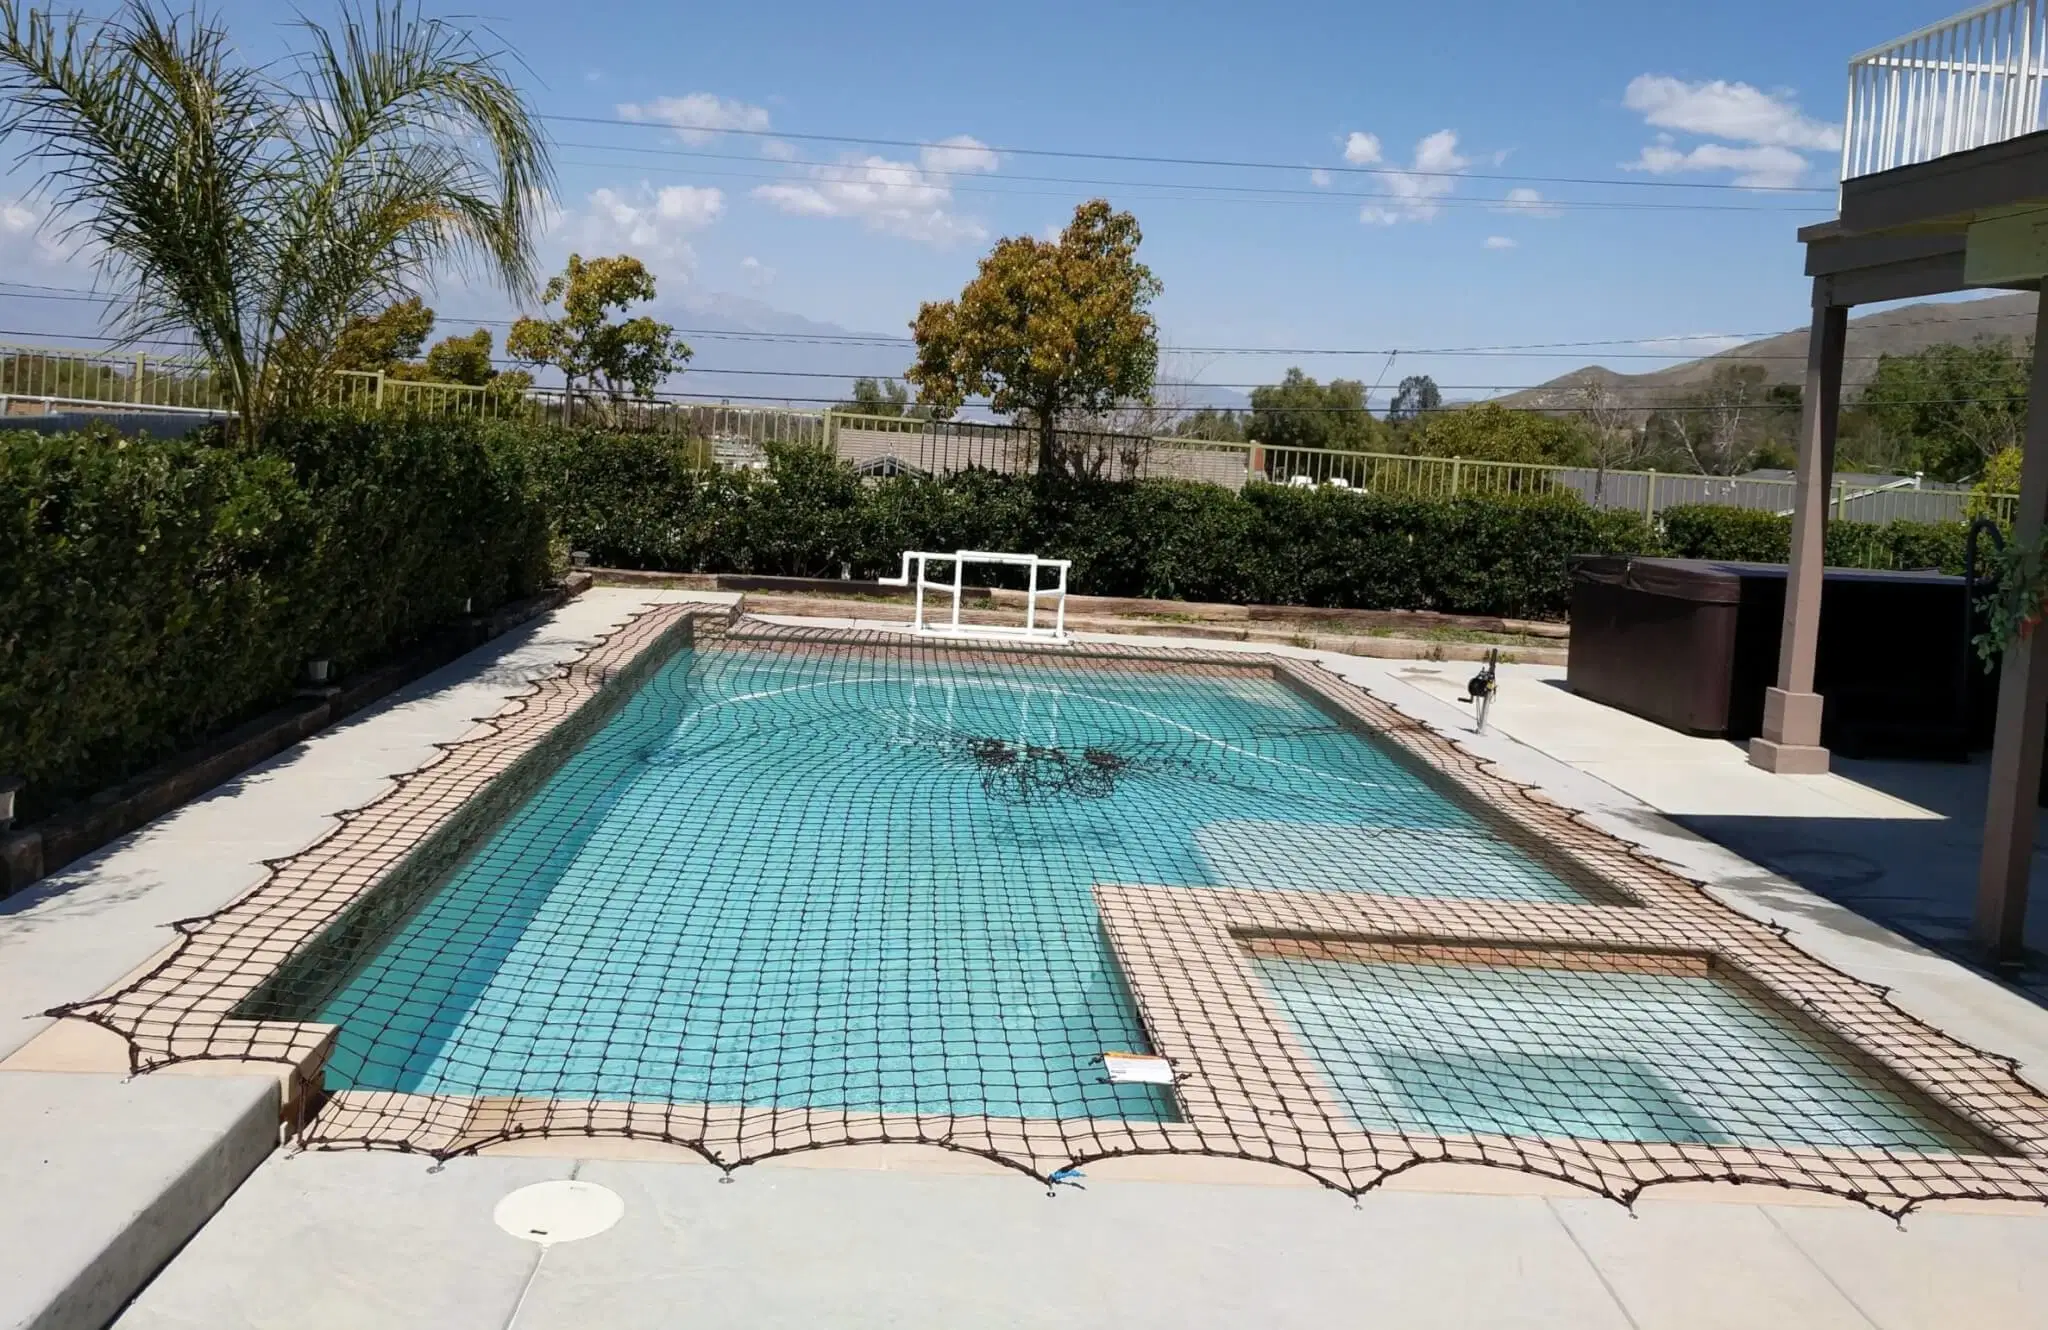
(2015, 789)
(1790, 741)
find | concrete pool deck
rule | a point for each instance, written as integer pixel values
(165, 1143)
(356, 1239)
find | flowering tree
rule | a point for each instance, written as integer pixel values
(606, 360)
(1047, 328)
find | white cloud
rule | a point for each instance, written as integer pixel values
(29, 236)
(1526, 202)
(1361, 148)
(899, 198)
(1319, 178)
(650, 224)
(698, 117)
(756, 272)
(1499, 242)
(778, 150)
(18, 220)
(1415, 191)
(1723, 110)
(1755, 167)
(1763, 134)
(1439, 152)
(957, 155)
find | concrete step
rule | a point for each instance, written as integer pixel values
(106, 1177)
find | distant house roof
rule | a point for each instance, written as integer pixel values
(1861, 480)
(888, 465)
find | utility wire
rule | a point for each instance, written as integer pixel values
(859, 172)
(850, 375)
(660, 125)
(32, 291)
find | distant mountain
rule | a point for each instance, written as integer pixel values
(1181, 393)
(1902, 331)
(749, 351)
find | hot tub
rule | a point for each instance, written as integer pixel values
(1693, 643)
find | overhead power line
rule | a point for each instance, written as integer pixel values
(911, 173)
(714, 398)
(33, 291)
(849, 375)
(1218, 163)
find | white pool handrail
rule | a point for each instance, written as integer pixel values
(916, 566)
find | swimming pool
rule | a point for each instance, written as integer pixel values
(806, 887)
(863, 881)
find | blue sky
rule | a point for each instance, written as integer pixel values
(1737, 92)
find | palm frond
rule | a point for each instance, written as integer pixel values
(257, 212)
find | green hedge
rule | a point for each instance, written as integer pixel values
(1702, 531)
(638, 502)
(153, 592)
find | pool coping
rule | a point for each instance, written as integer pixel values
(1182, 950)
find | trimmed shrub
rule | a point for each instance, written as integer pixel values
(1705, 531)
(415, 516)
(1502, 555)
(152, 592)
(972, 510)
(630, 503)
(146, 594)
(1702, 531)
(1900, 545)
(631, 500)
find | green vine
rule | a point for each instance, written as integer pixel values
(2018, 600)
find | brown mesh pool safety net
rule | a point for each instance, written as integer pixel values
(753, 890)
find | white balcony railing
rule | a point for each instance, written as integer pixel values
(1967, 81)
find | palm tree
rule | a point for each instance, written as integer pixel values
(255, 209)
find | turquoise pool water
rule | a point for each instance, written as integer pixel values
(812, 880)
(1525, 1051)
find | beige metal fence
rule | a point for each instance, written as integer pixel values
(35, 380)
(942, 447)
(375, 389)
(38, 380)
